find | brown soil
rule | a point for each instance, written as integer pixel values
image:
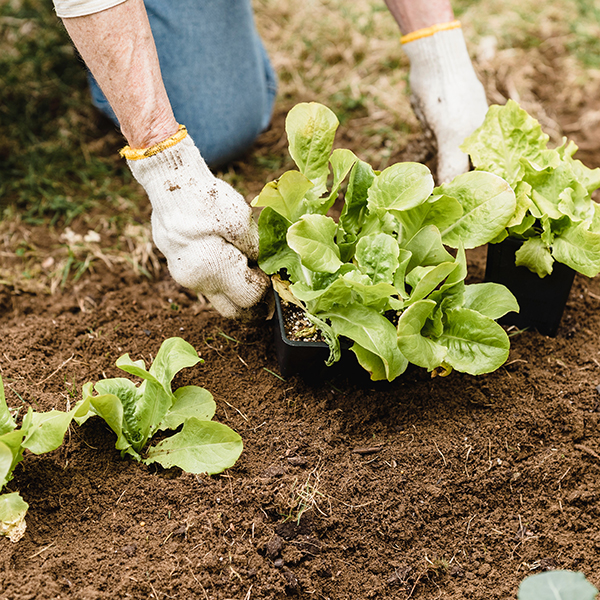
(454, 487)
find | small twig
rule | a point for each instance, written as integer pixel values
(237, 409)
(467, 460)
(155, 593)
(563, 476)
(368, 450)
(587, 450)
(352, 506)
(56, 371)
(413, 587)
(443, 457)
(469, 525)
(516, 360)
(42, 550)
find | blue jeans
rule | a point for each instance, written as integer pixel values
(216, 71)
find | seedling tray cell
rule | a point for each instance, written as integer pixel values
(541, 300)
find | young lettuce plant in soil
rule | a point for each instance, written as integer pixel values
(39, 433)
(382, 276)
(137, 412)
(555, 217)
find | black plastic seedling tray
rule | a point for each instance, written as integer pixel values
(296, 356)
(541, 300)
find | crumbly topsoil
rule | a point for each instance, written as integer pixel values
(453, 487)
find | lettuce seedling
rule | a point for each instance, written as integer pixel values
(39, 433)
(381, 275)
(555, 216)
(136, 412)
(557, 585)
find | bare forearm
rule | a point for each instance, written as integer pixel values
(412, 15)
(118, 48)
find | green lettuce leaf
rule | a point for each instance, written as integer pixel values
(310, 129)
(507, 134)
(109, 407)
(400, 187)
(372, 332)
(355, 200)
(579, 249)
(557, 585)
(190, 401)
(418, 349)
(488, 204)
(312, 237)
(440, 210)
(476, 344)
(377, 256)
(286, 196)
(274, 252)
(47, 430)
(427, 249)
(536, 256)
(424, 280)
(7, 423)
(342, 161)
(173, 355)
(200, 447)
(12, 516)
(490, 299)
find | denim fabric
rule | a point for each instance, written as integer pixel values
(216, 71)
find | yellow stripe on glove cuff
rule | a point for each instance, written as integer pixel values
(428, 31)
(135, 154)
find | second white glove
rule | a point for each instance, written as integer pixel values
(446, 94)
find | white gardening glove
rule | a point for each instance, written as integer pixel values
(201, 224)
(446, 95)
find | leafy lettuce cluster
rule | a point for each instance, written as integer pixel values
(137, 412)
(381, 275)
(555, 215)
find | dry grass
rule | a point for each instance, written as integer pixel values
(346, 55)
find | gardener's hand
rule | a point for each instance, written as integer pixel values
(446, 95)
(201, 224)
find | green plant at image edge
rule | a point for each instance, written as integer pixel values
(39, 433)
(555, 217)
(557, 585)
(135, 414)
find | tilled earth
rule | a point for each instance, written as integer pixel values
(454, 487)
